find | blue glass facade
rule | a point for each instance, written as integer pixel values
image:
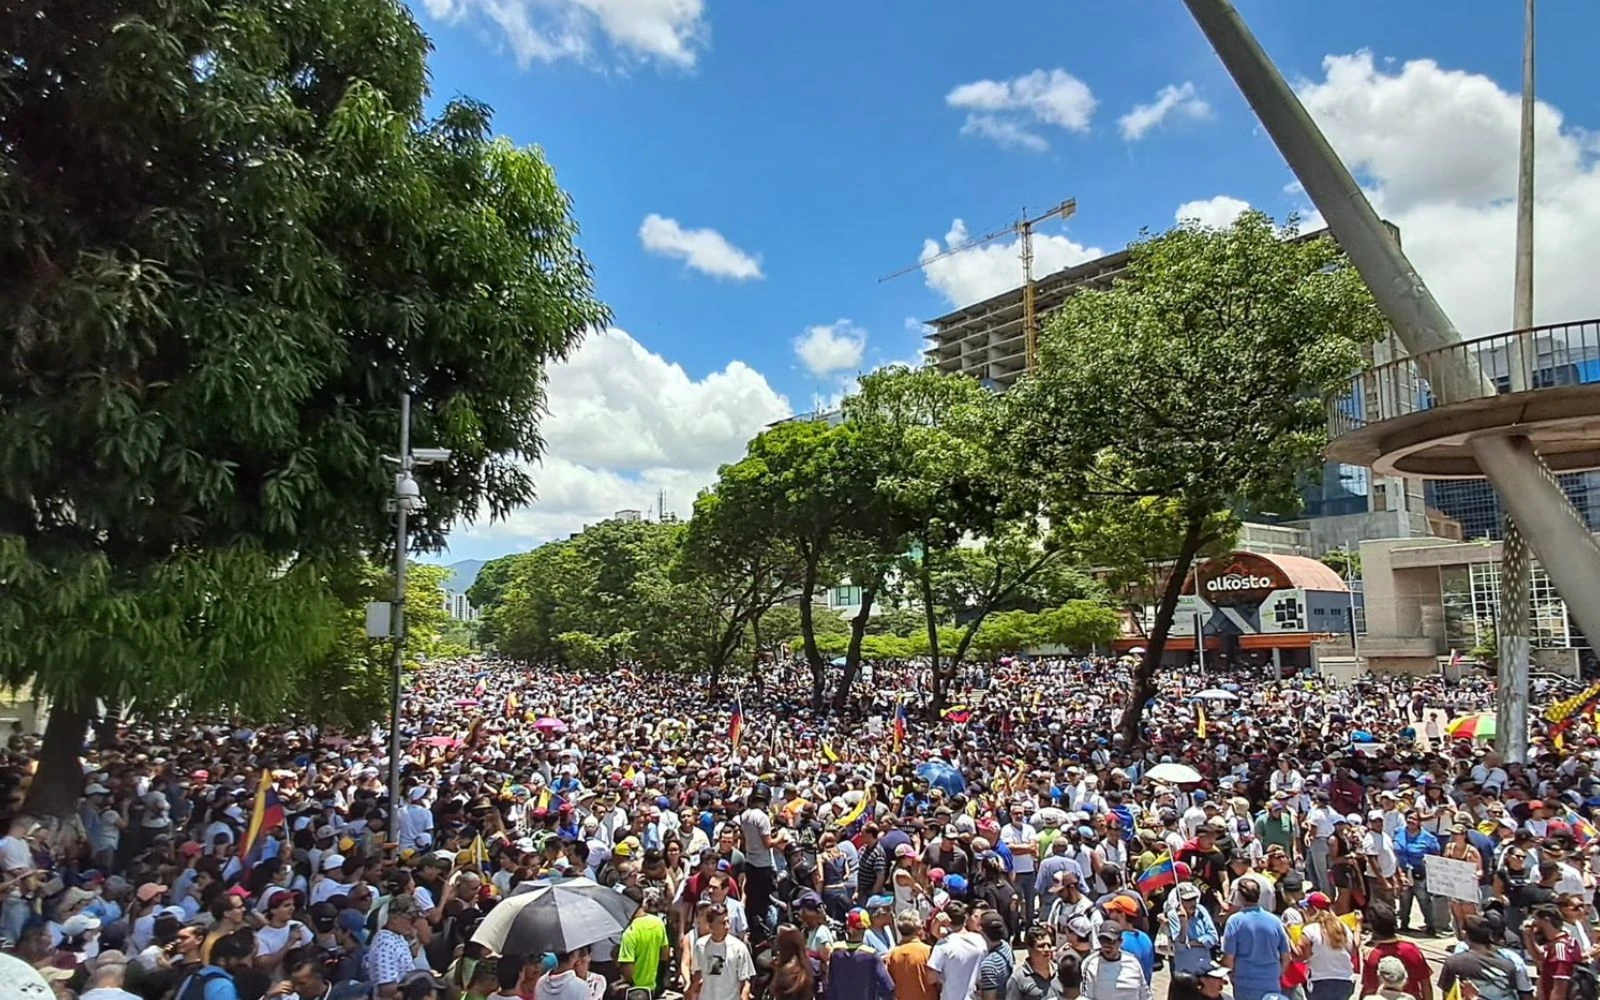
(1473, 502)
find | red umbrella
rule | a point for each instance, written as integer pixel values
(550, 724)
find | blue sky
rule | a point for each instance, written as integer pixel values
(744, 172)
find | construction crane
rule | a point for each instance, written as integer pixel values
(1023, 229)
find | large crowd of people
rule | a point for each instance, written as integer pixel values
(1271, 838)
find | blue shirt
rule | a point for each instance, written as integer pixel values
(1139, 945)
(1257, 941)
(1410, 848)
(218, 985)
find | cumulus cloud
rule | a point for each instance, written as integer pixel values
(1010, 111)
(831, 347)
(669, 32)
(703, 250)
(1217, 212)
(623, 423)
(1437, 150)
(1173, 101)
(995, 267)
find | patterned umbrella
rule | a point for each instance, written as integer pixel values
(1479, 726)
(561, 915)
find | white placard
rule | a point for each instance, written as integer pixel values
(1451, 878)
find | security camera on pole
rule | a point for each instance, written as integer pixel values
(407, 498)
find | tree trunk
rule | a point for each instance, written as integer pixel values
(1144, 678)
(852, 655)
(760, 676)
(58, 783)
(808, 633)
(995, 596)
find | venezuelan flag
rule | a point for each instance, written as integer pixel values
(1200, 721)
(899, 726)
(736, 724)
(266, 815)
(1582, 830)
(1158, 876)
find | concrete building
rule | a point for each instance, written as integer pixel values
(1431, 599)
(458, 607)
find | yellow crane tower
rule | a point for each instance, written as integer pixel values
(1023, 229)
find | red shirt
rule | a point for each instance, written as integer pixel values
(1410, 956)
(1560, 958)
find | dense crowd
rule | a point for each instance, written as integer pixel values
(1271, 838)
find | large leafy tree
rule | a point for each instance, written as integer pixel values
(931, 439)
(232, 240)
(1205, 371)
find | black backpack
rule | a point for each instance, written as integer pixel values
(1585, 982)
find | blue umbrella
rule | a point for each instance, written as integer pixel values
(938, 774)
(1362, 736)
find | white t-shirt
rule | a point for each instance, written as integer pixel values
(755, 826)
(1011, 835)
(15, 855)
(561, 986)
(271, 939)
(1326, 962)
(956, 960)
(724, 966)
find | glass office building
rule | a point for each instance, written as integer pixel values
(1473, 502)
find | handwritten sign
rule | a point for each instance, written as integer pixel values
(1452, 878)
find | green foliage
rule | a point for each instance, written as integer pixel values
(1195, 384)
(349, 684)
(1079, 625)
(1345, 562)
(233, 239)
(222, 629)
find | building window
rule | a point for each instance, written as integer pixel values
(844, 597)
(1547, 626)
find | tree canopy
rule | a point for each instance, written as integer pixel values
(1197, 380)
(234, 238)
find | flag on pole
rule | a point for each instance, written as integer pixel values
(1200, 721)
(512, 704)
(1583, 831)
(736, 724)
(480, 854)
(899, 725)
(1158, 876)
(266, 814)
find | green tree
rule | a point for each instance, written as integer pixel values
(807, 476)
(233, 240)
(931, 439)
(1345, 562)
(1205, 371)
(349, 685)
(1079, 625)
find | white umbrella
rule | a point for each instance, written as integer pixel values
(1214, 694)
(1136, 650)
(1173, 774)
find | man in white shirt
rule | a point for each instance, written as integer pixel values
(1318, 828)
(955, 959)
(1023, 840)
(413, 822)
(1382, 865)
(1110, 973)
(722, 964)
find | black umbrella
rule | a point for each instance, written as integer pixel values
(560, 915)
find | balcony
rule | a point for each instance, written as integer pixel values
(1417, 415)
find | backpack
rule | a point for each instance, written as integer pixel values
(194, 988)
(1585, 982)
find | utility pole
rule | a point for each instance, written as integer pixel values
(1514, 647)
(397, 612)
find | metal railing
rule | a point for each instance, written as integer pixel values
(1540, 357)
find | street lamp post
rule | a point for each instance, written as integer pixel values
(407, 497)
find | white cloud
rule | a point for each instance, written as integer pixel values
(995, 267)
(1004, 110)
(1217, 212)
(704, 250)
(672, 32)
(1007, 133)
(1437, 150)
(623, 423)
(1173, 100)
(831, 347)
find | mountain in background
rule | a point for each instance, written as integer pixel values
(462, 574)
